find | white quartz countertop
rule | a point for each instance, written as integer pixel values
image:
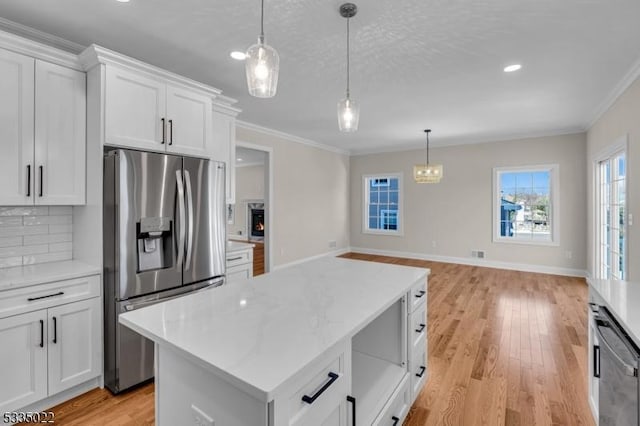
(622, 298)
(259, 334)
(23, 276)
(238, 246)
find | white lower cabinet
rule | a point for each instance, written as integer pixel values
(239, 264)
(23, 360)
(397, 408)
(594, 367)
(48, 350)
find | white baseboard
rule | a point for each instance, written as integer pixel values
(306, 259)
(524, 267)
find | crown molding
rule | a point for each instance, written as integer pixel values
(453, 142)
(297, 139)
(40, 36)
(628, 79)
(95, 55)
(20, 44)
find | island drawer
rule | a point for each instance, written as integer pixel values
(418, 369)
(318, 393)
(417, 295)
(28, 299)
(398, 406)
(417, 327)
(238, 258)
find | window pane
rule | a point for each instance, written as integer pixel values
(373, 222)
(393, 197)
(373, 197)
(373, 210)
(394, 184)
(383, 197)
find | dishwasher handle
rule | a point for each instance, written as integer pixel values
(629, 370)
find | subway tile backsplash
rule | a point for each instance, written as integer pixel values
(30, 235)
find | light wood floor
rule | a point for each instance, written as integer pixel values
(505, 348)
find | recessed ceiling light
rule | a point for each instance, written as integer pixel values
(512, 68)
(240, 159)
(238, 56)
(122, 1)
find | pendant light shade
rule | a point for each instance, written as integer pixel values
(262, 64)
(348, 109)
(427, 173)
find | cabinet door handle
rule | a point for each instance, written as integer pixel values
(31, 299)
(234, 258)
(419, 330)
(164, 131)
(170, 132)
(29, 180)
(310, 399)
(55, 330)
(422, 370)
(596, 361)
(352, 400)
(42, 333)
(395, 420)
(422, 293)
(41, 179)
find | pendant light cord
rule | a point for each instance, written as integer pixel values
(348, 19)
(427, 156)
(262, 22)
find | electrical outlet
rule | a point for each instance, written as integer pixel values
(333, 244)
(477, 253)
(200, 418)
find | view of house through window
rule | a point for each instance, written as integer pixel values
(611, 256)
(524, 204)
(382, 204)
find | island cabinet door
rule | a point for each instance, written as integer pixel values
(23, 360)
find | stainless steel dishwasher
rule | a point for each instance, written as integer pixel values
(617, 364)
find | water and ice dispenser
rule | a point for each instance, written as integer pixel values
(155, 242)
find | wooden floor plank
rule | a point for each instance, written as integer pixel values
(505, 348)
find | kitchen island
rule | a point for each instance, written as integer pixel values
(314, 343)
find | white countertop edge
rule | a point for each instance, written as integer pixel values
(29, 275)
(233, 246)
(631, 327)
(266, 395)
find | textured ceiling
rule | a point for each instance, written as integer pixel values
(415, 63)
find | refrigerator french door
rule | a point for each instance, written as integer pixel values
(164, 236)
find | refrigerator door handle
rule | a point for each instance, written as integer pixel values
(187, 181)
(181, 213)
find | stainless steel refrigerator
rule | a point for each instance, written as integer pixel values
(164, 236)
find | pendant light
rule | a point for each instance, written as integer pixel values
(427, 173)
(348, 109)
(262, 64)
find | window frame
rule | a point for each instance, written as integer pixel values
(365, 204)
(554, 198)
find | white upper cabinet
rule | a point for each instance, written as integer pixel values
(60, 135)
(42, 129)
(145, 112)
(134, 110)
(16, 128)
(189, 121)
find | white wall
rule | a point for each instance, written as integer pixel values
(310, 199)
(250, 182)
(622, 118)
(456, 213)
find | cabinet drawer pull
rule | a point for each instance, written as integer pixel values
(352, 400)
(234, 258)
(31, 299)
(422, 293)
(422, 370)
(419, 330)
(310, 399)
(170, 132)
(164, 131)
(395, 420)
(596, 361)
(42, 333)
(29, 180)
(41, 179)
(55, 330)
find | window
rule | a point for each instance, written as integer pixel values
(611, 252)
(382, 213)
(526, 204)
